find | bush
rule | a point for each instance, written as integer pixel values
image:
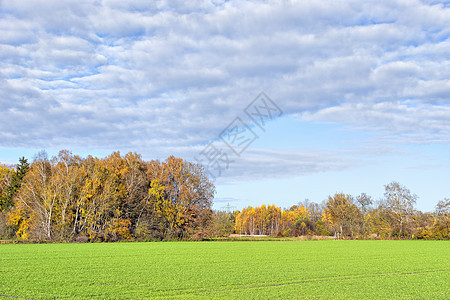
(81, 239)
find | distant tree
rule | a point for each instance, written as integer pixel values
(380, 220)
(400, 202)
(364, 201)
(441, 227)
(314, 210)
(263, 220)
(443, 207)
(222, 224)
(342, 214)
(293, 221)
(422, 225)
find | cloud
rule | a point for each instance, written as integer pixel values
(256, 164)
(402, 121)
(165, 75)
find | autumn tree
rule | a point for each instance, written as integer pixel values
(6, 178)
(69, 198)
(314, 209)
(422, 225)
(295, 221)
(137, 187)
(36, 200)
(342, 214)
(271, 220)
(222, 224)
(102, 197)
(6, 175)
(380, 220)
(246, 221)
(181, 195)
(441, 226)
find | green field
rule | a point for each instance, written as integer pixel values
(258, 270)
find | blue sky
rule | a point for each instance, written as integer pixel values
(363, 87)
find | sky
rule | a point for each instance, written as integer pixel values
(281, 101)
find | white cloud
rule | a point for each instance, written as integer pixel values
(406, 122)
(164, 75)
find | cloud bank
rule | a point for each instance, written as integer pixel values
(171, 74)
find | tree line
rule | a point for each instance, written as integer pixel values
(345, 216)
(69, 198)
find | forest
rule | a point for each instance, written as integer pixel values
(67, 198)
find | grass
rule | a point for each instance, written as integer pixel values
(247, 270)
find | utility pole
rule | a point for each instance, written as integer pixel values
(228, 208)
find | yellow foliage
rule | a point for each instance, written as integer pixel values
(17, 217)
(326, 217)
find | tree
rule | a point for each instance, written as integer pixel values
(6, 175)
(21, 170)
(6, 179)
(364, 202)
(423, 225)
(36, 199)
(441, 227)
(66, 175)
(181, 194)
(400, 202)
(380, 221)
(314, 209)
(10, 181)
(135, 180)
(274, 219)
(222, 224)
(443, 207)
(342, 214)
(103, 195)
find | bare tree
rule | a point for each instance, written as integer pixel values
(364, 202)
(400, 201)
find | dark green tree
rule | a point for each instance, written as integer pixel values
(21, 170)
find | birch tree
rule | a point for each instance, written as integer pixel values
(400, 202)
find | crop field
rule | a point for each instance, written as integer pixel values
(247, 270)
